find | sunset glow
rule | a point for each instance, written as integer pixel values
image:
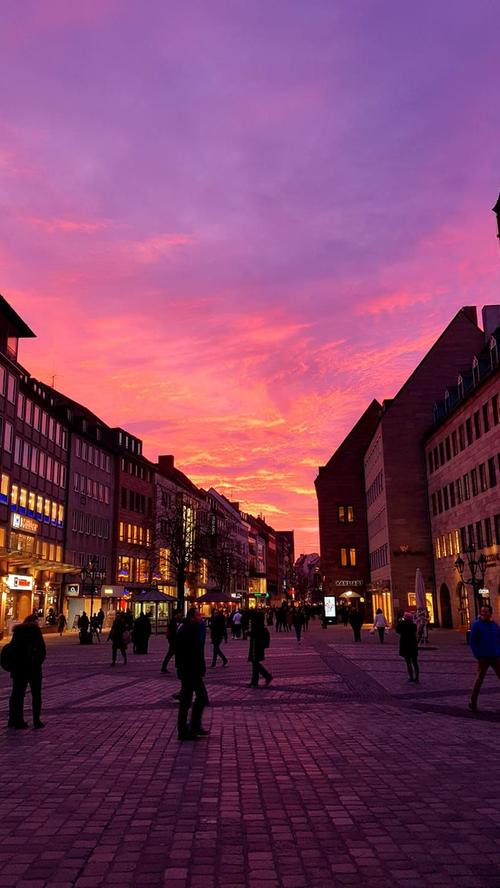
(232, 225)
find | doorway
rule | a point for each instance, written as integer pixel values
(445, 607)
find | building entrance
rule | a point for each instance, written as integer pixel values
(445, 607)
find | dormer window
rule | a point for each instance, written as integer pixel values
(475, 371)
(493, 352)
(460, 386)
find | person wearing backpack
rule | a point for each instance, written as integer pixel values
(260, 640)
(26, 653)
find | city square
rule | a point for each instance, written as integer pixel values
(340, 773)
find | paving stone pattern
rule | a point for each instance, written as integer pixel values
(341, 773)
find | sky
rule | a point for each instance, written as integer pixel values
(233, 223)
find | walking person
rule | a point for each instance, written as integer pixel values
(141, 633)
(171, 632)
(408, 646)
(298, 622)
(260, 639)
(27, 651)
(380, 624)
(217, 634)
(61, 623)
(120, 637)
(191, 668)
(83, 625)
(94, 628)
(237, 617)
(356, 621)
(485, 645)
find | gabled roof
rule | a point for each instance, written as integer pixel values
(22, 329)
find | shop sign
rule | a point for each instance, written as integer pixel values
(22, 522)
(484, 592)
(349, 582)
(330, 606)
(73, 590)
(16, 581)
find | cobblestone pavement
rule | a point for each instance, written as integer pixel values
(341, 773)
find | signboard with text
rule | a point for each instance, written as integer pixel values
(330, 607)
(18, 582)
(22, 522)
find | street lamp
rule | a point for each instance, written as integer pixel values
(477, 569)
(92, 579)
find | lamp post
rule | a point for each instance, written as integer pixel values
(92, 579)
(477, 569)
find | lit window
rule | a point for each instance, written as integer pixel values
(4, 489)
(341, 514)
(343, 557)
(23, 497)
(352, 557)
(14, 494)
(350, 514)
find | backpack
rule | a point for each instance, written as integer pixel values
(7, 657)
(267, 638)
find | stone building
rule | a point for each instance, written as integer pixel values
(399, 533)
(343, 532)
(463, 470)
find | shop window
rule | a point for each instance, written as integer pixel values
(59, 554)
(2, 537)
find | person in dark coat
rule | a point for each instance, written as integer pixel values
(217, 634)
(118, 636)
(408, 647)
(191, 668)
(172, 628)
(61, 623)
(356, 621)
(83, 625)
(28, 654)
(259, 641)
(298, 622)
(142, 631)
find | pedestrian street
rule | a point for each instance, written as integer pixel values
(340, 773)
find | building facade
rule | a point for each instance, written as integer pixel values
(399, 534)
(463, 472)
(343, 531)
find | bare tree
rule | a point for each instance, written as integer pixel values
(178, 543)
(227, 563)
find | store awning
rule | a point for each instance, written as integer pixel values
(34, 562)
(152, 595)
(212, 596)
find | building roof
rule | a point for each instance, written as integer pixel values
(22, 329)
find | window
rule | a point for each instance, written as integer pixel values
(352, 557)
(14, 494)
(463, 538)
(74, 526)
(454, 443)
(20, 406)
(11, 388)
(28, 412)
(341, 514)
(466, 487)
(36, 417)
(486, 419)
(473, 481)
(459, 490)
(479, 535)
(488, 536)
(2, 380)
(18, 451)
(461, 437)
(430, 463)
(45, 422)
(42, 462)
(477, 424)
(34, 460)
(8, 434)
(492, 472)
(452, 495)
(4, 487)
(78, 447)
(438, 547)
(470, 534)
(49, 468)
(482, 477)
(434, 504)
(124, 568)
(494, 409)
(26, 455)
(447, 447)
(343, 557)
(468, 431)
(446, 501)
(440, 501)
(436, 458)
(497, 529)
(441, 453)
(51, 428)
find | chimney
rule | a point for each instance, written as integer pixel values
(491, 319)
(470, 311)
(166, 463)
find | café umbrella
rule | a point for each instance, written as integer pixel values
(421, 603)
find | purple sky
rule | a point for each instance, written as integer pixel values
(232, 224)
